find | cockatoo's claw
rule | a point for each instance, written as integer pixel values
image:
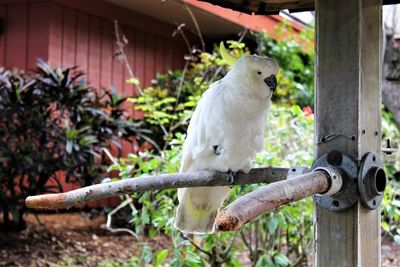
(232, 178)
(217, 150)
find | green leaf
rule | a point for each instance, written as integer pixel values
(70, 134)
(385, 226)
(396, 203)
(226, 56)
(68, 146)
(281, 260)
(263, 261)
(114, 167)
(144, 217)
(132, 99)
(152, 232)
(133, 80)
(160, 257)
(88, 140)
(272, 225)
(296, 110)
(147, 254)
(236, 263)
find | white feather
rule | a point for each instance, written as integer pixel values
(231, 115)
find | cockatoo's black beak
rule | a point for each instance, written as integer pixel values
(271, 82)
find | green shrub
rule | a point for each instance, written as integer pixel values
(391, 203)
(51, 124)
(296, 77)
(295, 55)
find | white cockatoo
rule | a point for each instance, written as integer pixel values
(224, 134)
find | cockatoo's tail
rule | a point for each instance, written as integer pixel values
(225, 133)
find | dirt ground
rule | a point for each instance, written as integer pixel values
(74, 239)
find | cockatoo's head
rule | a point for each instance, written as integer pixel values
(258, 74)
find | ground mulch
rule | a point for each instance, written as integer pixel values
(76, 239)
(390, 254)
(70, 239)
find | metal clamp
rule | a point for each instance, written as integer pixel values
(371, 181)
(336, 181)
(348, 170)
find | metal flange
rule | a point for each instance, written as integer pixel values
(371, 181)
(348, 169)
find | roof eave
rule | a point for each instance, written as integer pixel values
(271, 7)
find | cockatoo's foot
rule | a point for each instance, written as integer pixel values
(232, 178)
(217, 150)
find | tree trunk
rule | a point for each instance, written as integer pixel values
(391, 78)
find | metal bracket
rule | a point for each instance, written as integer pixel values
(389, 150)
(371, 181)
(348, 194)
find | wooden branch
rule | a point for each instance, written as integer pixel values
(155, 182)
(269, 197)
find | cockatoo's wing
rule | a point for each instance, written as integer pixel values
(198, 207)
(205, 129)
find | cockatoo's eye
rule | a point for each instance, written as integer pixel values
(259, 72)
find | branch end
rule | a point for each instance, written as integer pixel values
(47, 201)
(226, 221)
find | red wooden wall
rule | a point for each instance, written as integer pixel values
(87, 40)
(81, 33)
(25, 35)
(75, 33)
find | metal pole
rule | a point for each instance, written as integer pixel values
(348, 99)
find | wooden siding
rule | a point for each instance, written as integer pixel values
(85, 40)
(25, 36)
(66, 34)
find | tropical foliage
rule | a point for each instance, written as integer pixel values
(53, 125)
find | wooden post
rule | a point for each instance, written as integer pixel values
(348, 99)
